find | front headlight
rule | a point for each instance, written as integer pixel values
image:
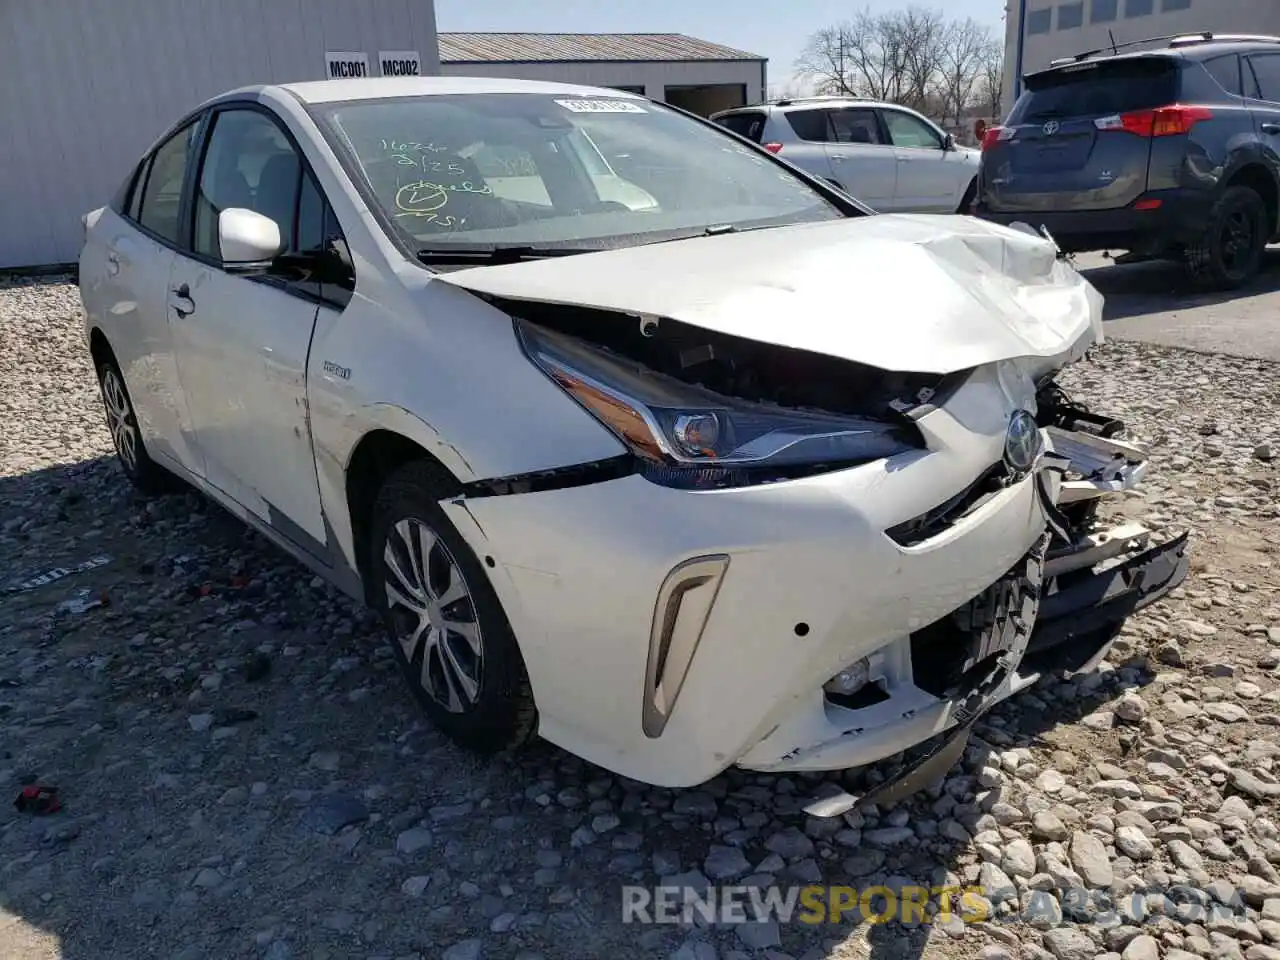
(683, 430)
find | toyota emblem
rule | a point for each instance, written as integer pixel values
(1051, 128)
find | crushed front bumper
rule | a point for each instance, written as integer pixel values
(1076, 629)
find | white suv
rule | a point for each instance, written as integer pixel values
(892, 159)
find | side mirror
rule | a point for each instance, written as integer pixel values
(949, 142)
(247, 239)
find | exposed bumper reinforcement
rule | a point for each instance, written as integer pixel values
(1088, 604)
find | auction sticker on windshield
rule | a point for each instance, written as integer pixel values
(601, 106)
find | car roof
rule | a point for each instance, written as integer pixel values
(382, 88)
(808, 103)
(1195, 47)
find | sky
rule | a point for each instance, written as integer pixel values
(776, 29)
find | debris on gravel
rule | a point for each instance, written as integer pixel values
(243, 775)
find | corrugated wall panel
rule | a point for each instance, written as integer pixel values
(89, 84)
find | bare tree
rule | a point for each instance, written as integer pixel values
(923, 34)
(964, 44)
(865, 56)
(991, 78)
(916, 57)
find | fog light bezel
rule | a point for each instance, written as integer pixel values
(673, 639)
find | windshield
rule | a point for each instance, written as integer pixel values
(536, 170)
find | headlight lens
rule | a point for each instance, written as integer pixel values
(676, 424)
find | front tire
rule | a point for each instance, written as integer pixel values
(447, 628)
(122, 421)
(1229, 253)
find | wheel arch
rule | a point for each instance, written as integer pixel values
(100, 349)
(1259, 178)
(379, 453)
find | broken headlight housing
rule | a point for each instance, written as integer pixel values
(688, 435)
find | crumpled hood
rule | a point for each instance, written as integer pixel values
(911, 293)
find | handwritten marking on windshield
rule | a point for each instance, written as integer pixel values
(423, 196)
(410, 146)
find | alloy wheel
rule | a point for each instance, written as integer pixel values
(120, 419)
(433, 615)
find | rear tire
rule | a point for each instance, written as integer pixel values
(445, 623)
(145, 474)
(1229, 253)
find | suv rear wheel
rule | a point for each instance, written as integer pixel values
(1230, 251)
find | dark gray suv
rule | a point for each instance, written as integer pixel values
(1169, 152)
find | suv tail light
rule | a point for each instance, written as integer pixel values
(996, 135)
(773, 147)
(1164, 122)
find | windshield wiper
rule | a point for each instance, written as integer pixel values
(495, 255)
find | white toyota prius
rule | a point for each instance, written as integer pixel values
(641, 439)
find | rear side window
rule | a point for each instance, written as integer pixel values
(162, 195)
(749, 125)
(1098, 90)
(811, 125)
(856, 126)
(135, 191)
(1226, 71)
(1266, 68)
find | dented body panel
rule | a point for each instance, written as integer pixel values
(922, 293)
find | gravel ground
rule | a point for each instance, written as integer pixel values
(245, 776)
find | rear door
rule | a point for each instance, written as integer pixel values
(1079, 137)
(125, 273)
(863, 161)
(806, 147)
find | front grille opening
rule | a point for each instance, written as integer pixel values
(939, 653)
(941, 518)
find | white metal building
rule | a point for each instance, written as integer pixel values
(89, 84)
(693, 74)
(1040, 31)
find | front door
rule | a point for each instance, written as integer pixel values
(928, 174)
(243, 340)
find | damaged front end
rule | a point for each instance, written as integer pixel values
(1096, 573)
(1074, 591)
(701, 410)
(905, 477)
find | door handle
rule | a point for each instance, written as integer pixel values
(1272, 128)
(113, 263)
(181, 301)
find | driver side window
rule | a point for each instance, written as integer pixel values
(249, 164)
(908, 131)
